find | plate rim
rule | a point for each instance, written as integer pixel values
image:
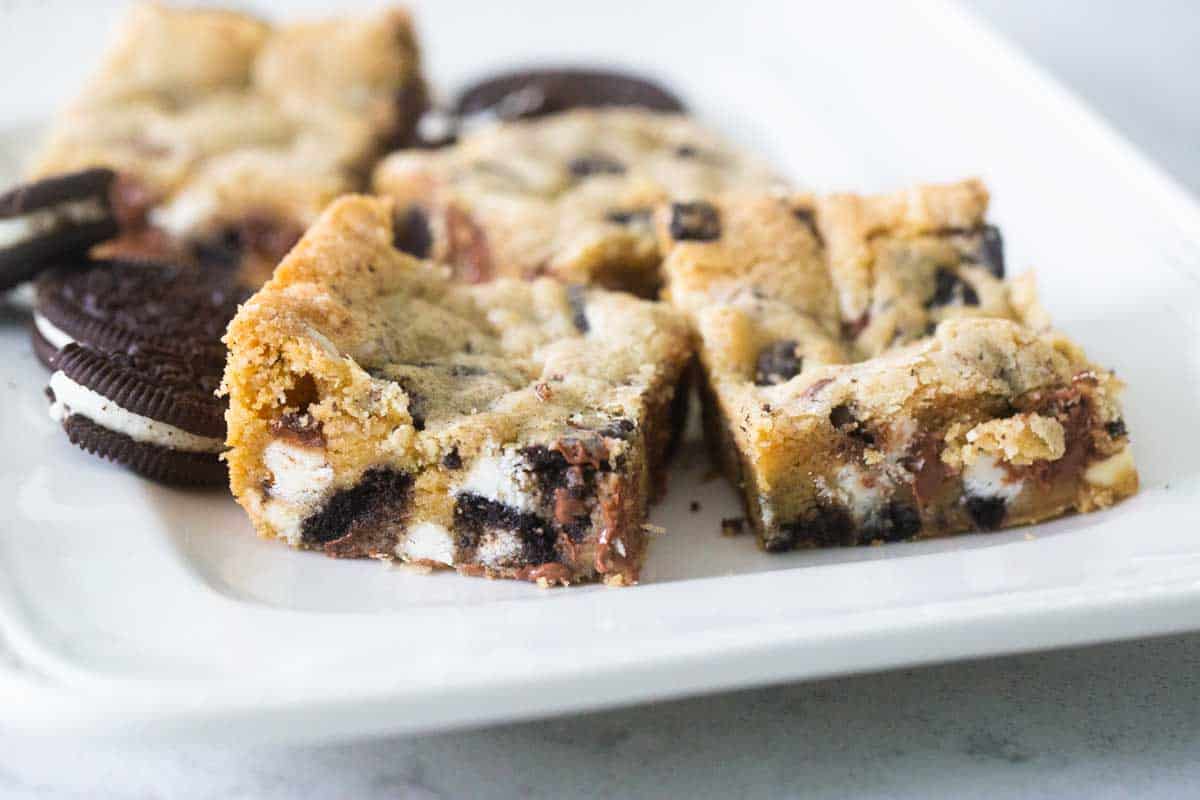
(35, 701)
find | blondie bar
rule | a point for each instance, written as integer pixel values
(870, 376)
(568, 194)
(511, 429)
(229, 135)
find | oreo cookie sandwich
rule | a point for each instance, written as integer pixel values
(537, 92)
(120, 306)
(150, 411)
(53, 217)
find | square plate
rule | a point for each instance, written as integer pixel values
(126, 608)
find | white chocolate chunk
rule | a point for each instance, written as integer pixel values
(984, 477)
(504, 479)
(1111, 471)
(427, 541)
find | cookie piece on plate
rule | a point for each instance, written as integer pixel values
(568, 195)
(228, 134)
(513, 429)
(123, 306)
(54, 217)
(152, 412)
(868, 375)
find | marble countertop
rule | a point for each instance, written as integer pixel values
(1119, 720)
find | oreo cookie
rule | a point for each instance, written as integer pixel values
(127, 306)
(536, 92)
(55, 217)
(150, 411)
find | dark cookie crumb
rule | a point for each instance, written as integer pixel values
(897, 522)
(777, 363)
(595, 164)
(452, 460)
(475, 515)
(639, 216)
(733, 526)
(619, 428)
(990, 251)
(380, 495)
(412, 234)
(986, 512)
(842, 418)
(852, 328)
(300, 427)
(695, 222)
(808, 218)
(576, 298)
(694, 506)
(950, 288)
(829, 526)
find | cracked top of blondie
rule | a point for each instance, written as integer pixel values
(569, 194)
(396, 364)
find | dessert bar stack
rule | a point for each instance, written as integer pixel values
(485, 366)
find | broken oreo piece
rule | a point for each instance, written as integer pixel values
(51, 218)
(412, 234)
(595, 164)
(151, 412)
(950, 288)
(522, 94)
(777, 363)
(695, 222)
(124, 307)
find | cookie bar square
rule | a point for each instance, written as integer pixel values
(512, 429)
(869, 375)
(568, 194)
(229, 134)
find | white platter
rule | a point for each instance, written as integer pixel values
(131, 610)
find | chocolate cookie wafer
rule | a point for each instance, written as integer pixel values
(51, 218)
(536, 92)
(151, 411)
(121, 306)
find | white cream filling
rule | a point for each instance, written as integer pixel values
(861, 496)
(51, 332)
(300, 475)
(505, 479)
(498, 549)
(285, 519)
(986, 478)
(300, 481)
(427, 541)
(27, 227)
(187, 212)
(72, 398)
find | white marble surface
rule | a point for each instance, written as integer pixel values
(1113, 721)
